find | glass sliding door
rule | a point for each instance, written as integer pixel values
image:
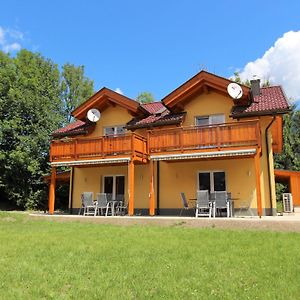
(114, 185)
(212, 181)
(120, 187)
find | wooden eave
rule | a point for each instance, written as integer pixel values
(105, 97)
(201, 82)
(285, 174)
(63, 177)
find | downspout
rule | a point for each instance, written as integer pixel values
(268, 162)
(157, 187)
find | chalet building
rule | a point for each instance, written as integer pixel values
(196, 138)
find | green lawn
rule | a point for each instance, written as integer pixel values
(55, 260)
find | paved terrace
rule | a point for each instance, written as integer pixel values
(288, 222)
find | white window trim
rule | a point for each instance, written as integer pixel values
(209, 118)
(115, 129)
(114, 183)
(211, 174)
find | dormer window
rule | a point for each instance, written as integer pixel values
(114, 130)
(209, 120)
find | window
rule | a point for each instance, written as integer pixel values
(114, 185)
(212, 181)
(209, 120)
(114, 130)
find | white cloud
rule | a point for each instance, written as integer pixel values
(280, 64)
(9, 39)
(119, 91)
(1, 36)
(11, 47)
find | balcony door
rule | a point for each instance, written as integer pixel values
(212, 181)
(114, 185)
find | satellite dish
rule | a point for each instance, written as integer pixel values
(234, 90)
(93, 115)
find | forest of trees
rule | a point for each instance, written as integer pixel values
(36, 98)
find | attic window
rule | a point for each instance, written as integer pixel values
(114, 130)
(209, 120)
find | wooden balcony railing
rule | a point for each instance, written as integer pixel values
(98, 148)
(217, 137)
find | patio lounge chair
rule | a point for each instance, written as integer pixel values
(203, 207)
(221, 202)
(184, 203)
(101, 204)
(88, 203)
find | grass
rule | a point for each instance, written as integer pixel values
(72, 260)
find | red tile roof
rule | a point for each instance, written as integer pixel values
(270, 100)
(74, 128)
(166, 118)
(153, 107)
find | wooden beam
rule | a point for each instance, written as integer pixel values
(258, 187)
(131, 188)
(52, 191)
(151, 193)
(205, 89)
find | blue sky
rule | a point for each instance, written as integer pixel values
(155, 45)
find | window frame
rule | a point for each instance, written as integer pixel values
(211, 178)
(210, 119)
(115, 128)
(114, 184)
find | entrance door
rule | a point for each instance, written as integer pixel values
(212, 181)
(114, 185)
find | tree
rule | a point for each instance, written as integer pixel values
(289, 159)
(75, 88)
(145, 97)
(30, 110)
(33, 99)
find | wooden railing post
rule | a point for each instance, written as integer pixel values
(51, 151)
(102, 146)
(133, 145)
(218, 137)
(148, 142)
(181, 139)
(258, 135)
(75, 149)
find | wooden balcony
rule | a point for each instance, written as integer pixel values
(129, 145)
(217, 137)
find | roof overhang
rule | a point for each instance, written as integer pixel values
(203, 155)
(201, 82)
(262, 113)
(105, 97)
(118, 160)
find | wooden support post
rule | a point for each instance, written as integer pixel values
(131, 188)
(151, 193)
(258, 187)
(52, 191)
